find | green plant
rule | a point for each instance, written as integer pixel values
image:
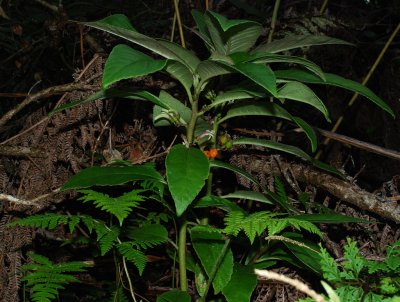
(237, 80)
(46, 278)
(359, 279)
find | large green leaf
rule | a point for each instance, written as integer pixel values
(209, 247)
(132, 94)
(117, 25)
(217, 202)
(259, 74)
(187, 170)
(269, 58)
(249, 195)
(242, 37)
(174, 106)
(242, 284)
(308, 130)
(209, 69)
(334, 80)
(292, 42)
(148, 235)
(125, 62)
(305, 251)
(216, 34)
(299, 92)
(232, 95)
(181, 73)
(111, 176)
(174, 296)
(329, 218)
(188, 57)
(270, 109)
(234, 35)
(272, 145)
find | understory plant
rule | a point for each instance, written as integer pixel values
(358, 278)
(238, 79)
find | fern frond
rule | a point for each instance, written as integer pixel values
(108, 240)
(233, 221)
(46, 278)
(276, 225)
(45, 221)
(119, 296)
(120, 206)
(137, 257)
(148, 235)
(252, 225)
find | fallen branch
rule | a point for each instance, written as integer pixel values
(60, 89)
(341, 189)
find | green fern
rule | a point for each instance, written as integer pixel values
(148, 235)
(255, 224)
(46, 278)
(119, 296)
(276, 225)
(120, 206)
(45, 221)
(108, 240)
(132, 254)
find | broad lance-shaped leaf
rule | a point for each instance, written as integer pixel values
(132, 94)
(208, 69)
(259, 74)
(242, 284)
(270, 58)
(292, 42)
(174, 106)
(236, 35)
(233, 95)
(125, 62)
(270, 109)
(249, 195)
(187, 170)
(299, 92)
(118, 25)
(181, 73)
(209, 247)
(174, 296)
(272, 145)
(334, 80)
(111, 176)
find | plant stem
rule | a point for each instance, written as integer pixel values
(273, 21)
(192, 123)
(182, 255)
(215, 269)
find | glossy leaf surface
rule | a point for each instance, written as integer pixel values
(187, 170)
(242, 284)
(111, 176)
(125, 62)
(334, 80)
(209, 246)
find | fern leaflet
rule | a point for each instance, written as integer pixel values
(148, 235)
(137, 257)
(276, 225)
(45, 221)
(120, 206)
(46, 278)
(107, 241)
